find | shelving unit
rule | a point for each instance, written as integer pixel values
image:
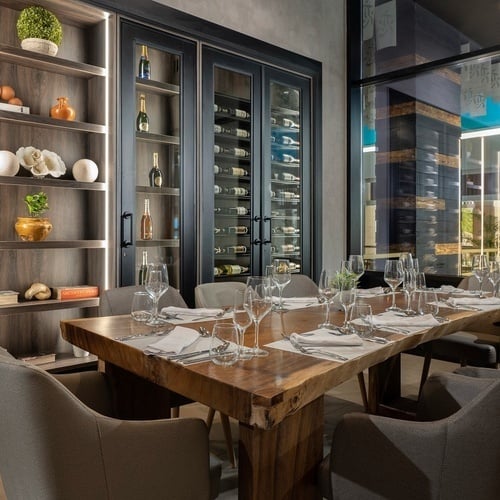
(76, 251)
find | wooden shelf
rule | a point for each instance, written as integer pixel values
(45, 122)
(52, 182)
(48, 305)
(34, 245)
(159, 191)
(68, 362)
(49, 63)
(157, 138)
(154, 87)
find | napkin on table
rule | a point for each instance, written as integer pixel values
(391, 319)
(322, 338)
(184, 311)
(370, 292)
(174, 342)
(469, 301)
(293, 300)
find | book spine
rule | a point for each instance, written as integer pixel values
(76, 293)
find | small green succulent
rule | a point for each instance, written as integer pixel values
(37, 203)
(345, 279)
(37, 22)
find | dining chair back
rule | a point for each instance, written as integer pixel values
(55, 447)
(117, 301)
(301, 286)
(220, 294)
(452, 451)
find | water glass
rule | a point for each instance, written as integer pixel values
(142, 306)
(428, 302)
(242, 320)
(224, 344)
(361, 320)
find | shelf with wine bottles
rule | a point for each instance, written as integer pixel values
(165, 243)
(159, 191)
(155, 87)
(281, 182)
(157, 138)
(279, 111)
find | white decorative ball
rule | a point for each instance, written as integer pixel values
(9, 164)
(85, 170)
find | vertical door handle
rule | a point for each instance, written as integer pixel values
(127, 242)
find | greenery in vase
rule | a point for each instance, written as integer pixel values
(37, 203)
(37, 22)
(345, 279)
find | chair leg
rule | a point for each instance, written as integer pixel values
(425, 370)
(362, 390)
(226, 426)
(210, 418)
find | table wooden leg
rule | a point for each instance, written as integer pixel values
(384, 383)
(282, 463)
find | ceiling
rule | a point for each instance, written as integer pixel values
(479, 20)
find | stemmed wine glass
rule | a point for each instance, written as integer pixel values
(494, 275)
(328, 289)
(347, 296)
(242, 319)
(480, 268)
(156, 286)
(357, 265)
(393, 276)
(281, 276)
(409, 278)
(258, 302)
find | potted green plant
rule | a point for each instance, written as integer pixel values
(34, 227)
(39, 30)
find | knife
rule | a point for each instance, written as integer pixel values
(177, 357)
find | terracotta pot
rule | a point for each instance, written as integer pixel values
(62, 110)
(32, 228)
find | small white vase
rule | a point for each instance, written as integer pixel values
(40, 45)
(85, 170)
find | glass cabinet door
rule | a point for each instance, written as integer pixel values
(157, 219)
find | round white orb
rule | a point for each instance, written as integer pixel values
(85, 170)
(9, 164)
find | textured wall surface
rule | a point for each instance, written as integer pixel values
(316, 29)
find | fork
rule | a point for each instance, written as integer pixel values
(312, 350)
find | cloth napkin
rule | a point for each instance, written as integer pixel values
(392, 319)
(470, 301)
(174, 342)
(370, 292)
(184, 311)
(322, 338)
(299, 300)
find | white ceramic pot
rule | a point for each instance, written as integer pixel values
(85, 170)
(40, 45)
(9, 164)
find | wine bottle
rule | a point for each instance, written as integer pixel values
(142, 122)
(219, 129)
(284, 157)
(236, 230)
(217, 169)
(144, 64)
(237, 191)
(219, 250)
(217, 271)
(288, 195)
(286, 248)
(284, 139)
(239, 113)
(217, 189)
(289, 177)
(220, 109)
(286, 122)
(143, 269)
(236, 249)
(146, 223)
(285, 230)
(155, 175)
(238, 210)
(228, 269)
(239, 132)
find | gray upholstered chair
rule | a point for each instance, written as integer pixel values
(218, 294)
(301, 286)
(56, 447)
(453, 451)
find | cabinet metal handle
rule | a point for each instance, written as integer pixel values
(266, 218)
(256, 241)
(127, 242)
(257, 218)
(266, 242)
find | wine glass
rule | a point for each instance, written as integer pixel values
(328, 289)
(406, 260)
(409, 286)
(281, 276)
(494, 275)
(258, 302)
(480, 268)
(357, 265)
(242, 320)
(156, 286)
(393, 276)
(347, 296)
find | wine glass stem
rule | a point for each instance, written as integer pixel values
(256, 341)
(327, 318)
(155, 308)
(393, 297)
(344, 306)
(280, 293)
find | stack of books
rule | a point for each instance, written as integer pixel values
(8, 297)
(75, 292)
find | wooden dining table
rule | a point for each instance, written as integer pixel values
(277, 400)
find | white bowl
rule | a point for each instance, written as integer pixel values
(9, 164)
(85, 170)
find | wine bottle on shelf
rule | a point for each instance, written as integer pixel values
(144, 64)
(218, 189)
(284, 139)
(286, 122)
(236, 230)
(232, 269)
(155, 175)
(143, 269)
(284, 157)
(288, 195)
(239, 132)
(285, 230)
(289, 177)
(219, 250)
(237, 191)
(235, 171)
(238, 210)
(142, 122)
(236, 249)
(239, 152)
(146, 223)
(217, 271)
(285, 248)
(219, 129)
(239, 113)
(220, 109)
(293, 266)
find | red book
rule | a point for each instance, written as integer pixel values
(75, 292)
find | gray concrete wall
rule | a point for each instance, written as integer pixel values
(316, 29)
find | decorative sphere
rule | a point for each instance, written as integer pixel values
(9, 164)
(85, 170)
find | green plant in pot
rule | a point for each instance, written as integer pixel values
(34, 227)
(39, 30)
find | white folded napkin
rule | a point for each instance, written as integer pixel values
(450, 289)
(322, 338)
(184, 311)
(469, 301)
(299, 300)
(392, 319)
(174, 342)
(368, 292)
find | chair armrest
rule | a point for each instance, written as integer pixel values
(155, 459)
(375, 456)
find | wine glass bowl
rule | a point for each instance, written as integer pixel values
(281, 276)
(156, 285)
(347, 296)
(327, 288)
(242, 319)
(393, 276)
(480, 269)
(224, 345)
(357, 266)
